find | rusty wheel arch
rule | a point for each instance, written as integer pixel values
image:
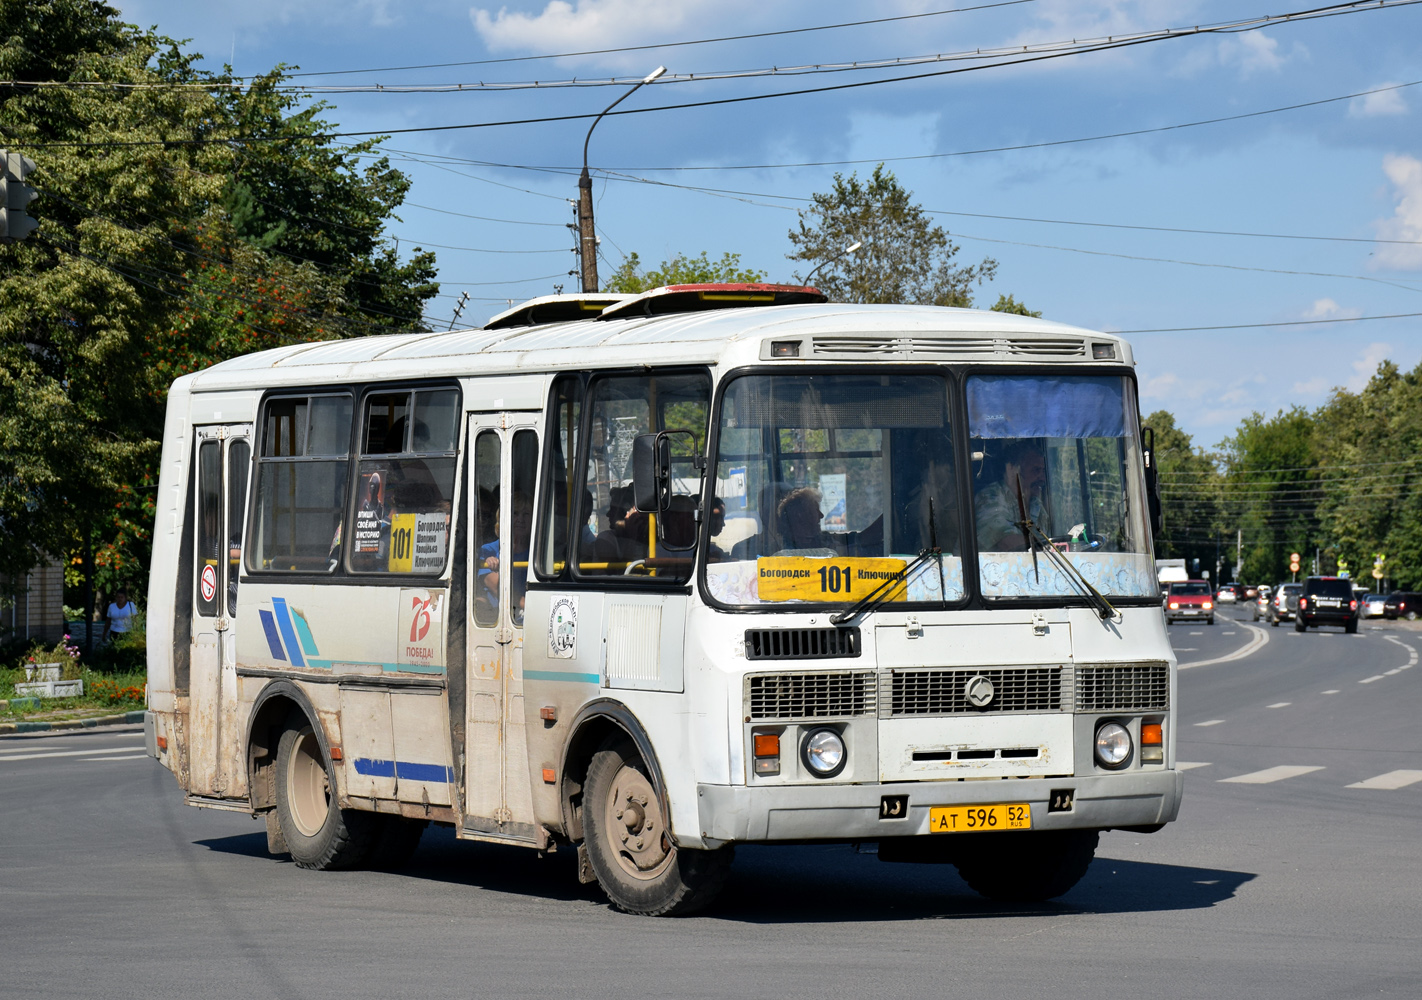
(270, 712)
(595, 724)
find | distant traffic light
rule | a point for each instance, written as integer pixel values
(15, 197)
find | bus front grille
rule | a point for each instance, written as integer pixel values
(802, 643)
(1123, 687)
(819, 695)
(947, 692)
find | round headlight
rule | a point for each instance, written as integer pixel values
(1113, 745)
(823, 753)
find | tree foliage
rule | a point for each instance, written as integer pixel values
(629, 279)
(904, 256)
(155, 256)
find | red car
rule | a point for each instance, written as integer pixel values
(1190, 600)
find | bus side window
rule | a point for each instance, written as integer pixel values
(487, 528)
(405, 482)
(560, 479)
(525, 471)
(302, 471)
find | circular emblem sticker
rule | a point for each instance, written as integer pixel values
(209, 582)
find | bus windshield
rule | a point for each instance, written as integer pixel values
(828, 485)
(1063, 450)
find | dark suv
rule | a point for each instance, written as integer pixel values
(1327, 600)
(1403, 604)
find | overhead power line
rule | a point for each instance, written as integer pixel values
(1112, 43)
(1255, 326)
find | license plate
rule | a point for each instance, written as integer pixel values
(977, 819)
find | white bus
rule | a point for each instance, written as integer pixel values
(649, 577)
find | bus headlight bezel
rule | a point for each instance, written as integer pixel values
(812, 749)
(1113, 738)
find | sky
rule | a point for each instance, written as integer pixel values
(1305, 206)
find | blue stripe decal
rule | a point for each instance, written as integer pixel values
(283, 618)
(561, 675)
(408, 770)
(269, 626)
(308, 642)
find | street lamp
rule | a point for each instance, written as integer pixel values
(587, 236)
(847, 251)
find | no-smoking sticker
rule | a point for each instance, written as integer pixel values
(209, 582)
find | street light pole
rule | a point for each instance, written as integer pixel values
(587, 235)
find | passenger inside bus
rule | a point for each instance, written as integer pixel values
(492, 563)
(1021, 463)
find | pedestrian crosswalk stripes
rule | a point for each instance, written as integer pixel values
(1188, 765)
(1209, 722)
(1391, 781)
(5, 757)
(1272, 774)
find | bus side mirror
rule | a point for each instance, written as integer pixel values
(651, 472)
(1152, 481)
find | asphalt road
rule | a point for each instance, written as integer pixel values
(1293, 872)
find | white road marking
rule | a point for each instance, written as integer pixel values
(67, 753)
(1271, 774)
(1390, 781)
(1411, 653)
(1369, 680)
(1261, 637)
(1190, 765)
(1393, 672)
(142, 756)
(1281, 704)
(1331, 691)
(1212, 722)
(1230, 632)
(1197, 633)
(1187, 649)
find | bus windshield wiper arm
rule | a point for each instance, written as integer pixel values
(880, 594)
(1037, 539)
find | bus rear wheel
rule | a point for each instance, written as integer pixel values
(1026, 868)
(318, 833)
(629, 845)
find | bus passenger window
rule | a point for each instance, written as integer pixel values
(622, 540)
(405, 482)
(564, 426)
(486, 528)
(301, 484)
(525, 470)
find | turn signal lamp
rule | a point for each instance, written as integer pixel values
(1152, 743)
(767, 753)
(1303, 603)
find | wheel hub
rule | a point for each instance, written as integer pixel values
(308, 791)
(634, 816)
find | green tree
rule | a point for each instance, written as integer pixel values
(629, 279)
(1270, 492)
(152, 259)
(904, 256)
(1007, 304)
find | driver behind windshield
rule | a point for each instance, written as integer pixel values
(996, 505)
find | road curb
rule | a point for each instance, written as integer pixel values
(7, 728)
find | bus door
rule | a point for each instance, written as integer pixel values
(224, 459)
(498, 796)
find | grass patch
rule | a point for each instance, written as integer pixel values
(115, 680)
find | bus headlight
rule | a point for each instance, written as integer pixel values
(1113, 745)
(823, 753)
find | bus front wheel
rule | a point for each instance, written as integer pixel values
(318, 833)
(1026, 868)
(630, 847)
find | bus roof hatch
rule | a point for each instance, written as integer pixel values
(695, 298)
(555, 309)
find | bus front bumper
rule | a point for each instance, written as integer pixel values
(740, 814)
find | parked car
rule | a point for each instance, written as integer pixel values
(1189, 601)
(1402, 604)
(1247, 591)
(1228, 594)
(1372, 605)
(1327, 600)
(1284, 604)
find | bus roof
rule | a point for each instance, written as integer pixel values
(824, 332)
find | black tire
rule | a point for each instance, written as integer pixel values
(1299, 625)
(1026, 867)
(318, 833)
(396, 841)
(629, 846)
(1210, 620)
(1352, 627)
(1274, 622)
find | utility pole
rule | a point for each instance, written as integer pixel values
(587, 233)
(458, 309)
(1238, 550)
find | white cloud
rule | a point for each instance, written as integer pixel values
(593, 24)
(1328, 309)
(1405, 172)
(1386, 102)
(1312, 387)
(1365, 366)
(1253, 52)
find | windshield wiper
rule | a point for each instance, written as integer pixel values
(880, 594)
(1036, 539)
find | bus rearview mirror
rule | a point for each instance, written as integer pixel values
(651, 472)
